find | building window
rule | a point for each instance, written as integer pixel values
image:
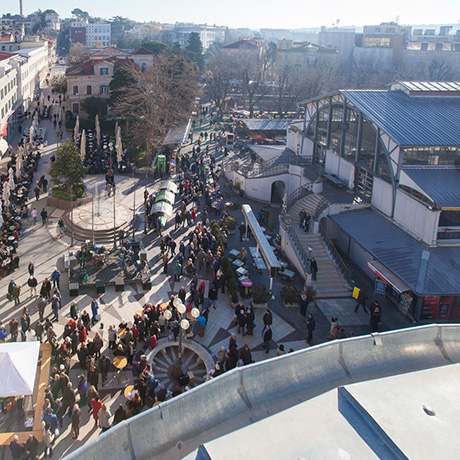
(89, 90)
(76, 107)
(103, 89)
(75, 91)
(104, 70)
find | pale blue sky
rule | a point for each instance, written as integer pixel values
(258, 13)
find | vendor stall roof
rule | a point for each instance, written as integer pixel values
(168, 185)
(165, 195)
(162, 207)
(18, 361)
(178, 134)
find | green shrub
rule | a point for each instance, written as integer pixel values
(290, 294)
(234, 296)
(225, 265)
(260, 293)
(79, 192)
(230, 222)
(231, 284)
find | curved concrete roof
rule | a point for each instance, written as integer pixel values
(249, 394)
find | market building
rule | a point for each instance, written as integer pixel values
(397, 153)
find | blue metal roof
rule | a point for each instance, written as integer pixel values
(403, 255)
(411, 121)
(442, 185)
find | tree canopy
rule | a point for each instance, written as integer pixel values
(154, 45)
(68, 169)
(159, 100)
(123, 82)
(194, 49)
(92, 106)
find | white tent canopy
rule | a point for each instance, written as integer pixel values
(168, 185)
(162, 207)
(18, 362)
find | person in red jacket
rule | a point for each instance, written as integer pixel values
(96, 404)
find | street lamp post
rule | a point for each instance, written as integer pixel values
(71, 215)
(145, 204)
(184, 325)
(114, 221)
(134, 209)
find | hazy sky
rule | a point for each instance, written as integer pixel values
(258, 13)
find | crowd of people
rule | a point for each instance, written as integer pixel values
(14, 206)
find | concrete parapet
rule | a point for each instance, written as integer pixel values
(245, 395)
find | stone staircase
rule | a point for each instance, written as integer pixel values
(311, 203)
(100, 236)
(330, 283)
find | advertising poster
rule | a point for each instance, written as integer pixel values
(430, 307)
(444, 307)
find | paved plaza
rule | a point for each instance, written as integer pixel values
(43, 246)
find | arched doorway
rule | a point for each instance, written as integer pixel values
(277, 194)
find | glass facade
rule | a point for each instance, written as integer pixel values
(350, 128)
(432, 156)
(351, 135)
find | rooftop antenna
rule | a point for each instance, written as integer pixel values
(397, 19)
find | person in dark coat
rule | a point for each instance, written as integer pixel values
(311, 324)
(267, 336)
(303, 304)
(245, 355)
(314, 268)
(376, 315)
(120, 415)
(362, 297)
(268, 318)
(250, 317)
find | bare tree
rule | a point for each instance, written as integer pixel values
(218, 73)
(438, 69)
(292, 86)
(77, 53)
(160, 99)
(251, 73)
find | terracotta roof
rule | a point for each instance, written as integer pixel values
(242, 44)
(5, 55)
(143, 50)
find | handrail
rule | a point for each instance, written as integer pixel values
(299, 193)
(302, 256)
(338, 261)
(259, 390)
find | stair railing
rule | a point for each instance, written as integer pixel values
(333, 253)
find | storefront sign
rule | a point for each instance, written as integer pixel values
(380, 287)
(430, 307)
(444, 307)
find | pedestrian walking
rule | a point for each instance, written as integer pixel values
(55, 276)
(267, 336)
(32, 283)
(44, 216)
(314, 268)
(34, 214)
(37, 192)
(362, 297)
(94, 311)
(41, 304)
(303, 304)
(76, 415)
(165, 263)
(376, 315)
(311, 325)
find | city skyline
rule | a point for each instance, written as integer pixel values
(249, 14)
